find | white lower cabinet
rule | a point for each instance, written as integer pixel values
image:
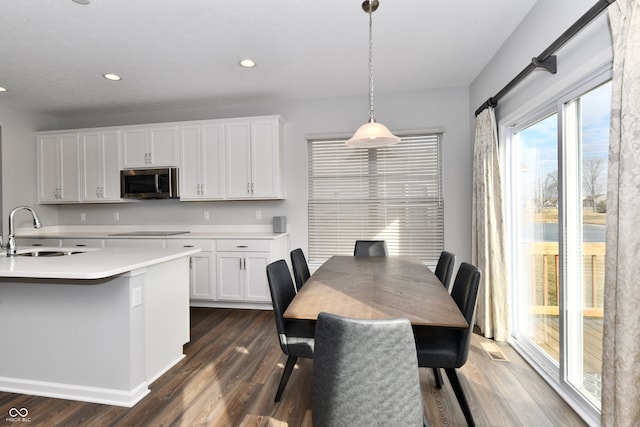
(201, 268)
(242, 270)
(226, 273)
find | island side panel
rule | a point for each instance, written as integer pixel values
(166, 301)
(79, 339)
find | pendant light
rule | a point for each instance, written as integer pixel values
(372, 134)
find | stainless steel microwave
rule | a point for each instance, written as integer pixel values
(149, 183)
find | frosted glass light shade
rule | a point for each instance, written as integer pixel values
(372, 135)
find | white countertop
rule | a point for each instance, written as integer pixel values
(90, 264)
(259, 232)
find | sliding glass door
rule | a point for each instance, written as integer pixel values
(535, 212)
(557, 162)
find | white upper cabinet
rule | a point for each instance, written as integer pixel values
(238, 152)
(255, 158)
(222, 159)
(267, 158)
(100, 158)
(146, 147)
(202, 167)
(58, 168)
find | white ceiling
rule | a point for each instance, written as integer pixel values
(185, 53)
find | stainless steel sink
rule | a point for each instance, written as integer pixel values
(48, 253)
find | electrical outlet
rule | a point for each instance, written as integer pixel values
(136, 297)
(258, 214)
(205, 215)
(116, 216)
(83, 216)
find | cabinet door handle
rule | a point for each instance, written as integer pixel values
(252, 188)
(242, 246)
(248, 188)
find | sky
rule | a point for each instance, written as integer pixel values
(539, 150)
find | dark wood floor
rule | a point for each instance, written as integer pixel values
(231, 373)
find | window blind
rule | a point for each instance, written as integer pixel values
(390, 193)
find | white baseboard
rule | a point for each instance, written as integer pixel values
(105, 396)
(224, 304)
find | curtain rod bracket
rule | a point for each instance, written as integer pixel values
(550, 63)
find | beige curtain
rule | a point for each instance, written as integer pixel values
(621, 355)
(488, 230)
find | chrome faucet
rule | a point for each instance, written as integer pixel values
(11, 239)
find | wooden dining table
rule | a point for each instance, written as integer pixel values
(374, 288)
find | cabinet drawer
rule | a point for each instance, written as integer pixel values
(204, 245)
(244, 245)
(33, 241)
(134, 243)
(82, 243)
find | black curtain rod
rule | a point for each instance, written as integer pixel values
(546, 59)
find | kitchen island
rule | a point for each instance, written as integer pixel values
(99, 325)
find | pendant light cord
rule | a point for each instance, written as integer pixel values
(372, 114)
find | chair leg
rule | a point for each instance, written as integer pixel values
(462, 400)
(288, 368)
(438, 376)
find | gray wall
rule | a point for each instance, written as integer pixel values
(19, 178)
(548, 19)
(446, 108)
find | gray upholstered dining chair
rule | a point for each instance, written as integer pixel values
(370, 248)
(300, 268)
(365, 373)
(295, 336)
(444, 268)
(448, 348)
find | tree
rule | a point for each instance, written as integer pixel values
(551, 189)
(592, 179)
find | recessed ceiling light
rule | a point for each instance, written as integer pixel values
(3, 89)
(82, 2)
(247, 63)
(111, 76)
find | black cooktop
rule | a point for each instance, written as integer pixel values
(149, 233)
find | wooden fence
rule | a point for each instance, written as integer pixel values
(544, 269)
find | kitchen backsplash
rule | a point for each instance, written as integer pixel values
(172, 212)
